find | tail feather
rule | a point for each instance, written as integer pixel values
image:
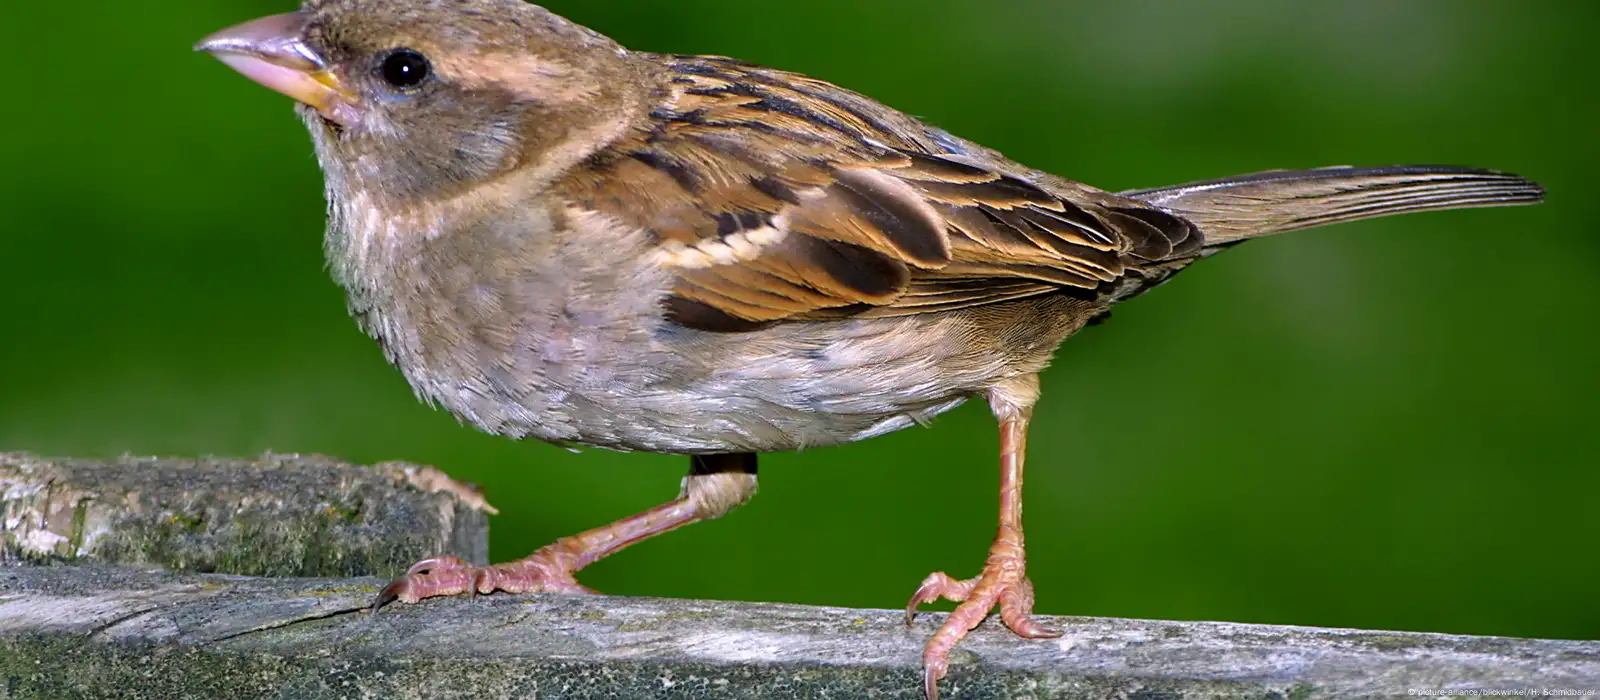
(1233, 209)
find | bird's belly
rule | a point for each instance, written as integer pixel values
(730, 423)
(759, 414)
(797, 386)
(689, 392)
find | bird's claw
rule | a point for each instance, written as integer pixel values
(1003, 583)
(446, 576)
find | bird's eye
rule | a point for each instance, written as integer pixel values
(405, 69)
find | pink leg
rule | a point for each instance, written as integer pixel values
(715, 485)
(1004, 580)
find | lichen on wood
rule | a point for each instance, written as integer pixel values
(280, 515)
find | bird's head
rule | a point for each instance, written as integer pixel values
(427, 98)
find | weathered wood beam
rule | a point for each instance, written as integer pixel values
(280, 515)
(104, 632)
(91, 630)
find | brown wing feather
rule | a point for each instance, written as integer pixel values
(778, 197)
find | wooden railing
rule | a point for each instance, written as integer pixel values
(92, 617)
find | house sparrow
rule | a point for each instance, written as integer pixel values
(557, 238)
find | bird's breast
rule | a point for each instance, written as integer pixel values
(518, 321)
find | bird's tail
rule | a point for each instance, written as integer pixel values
(1236, 208)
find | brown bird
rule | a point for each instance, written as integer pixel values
(558, 238)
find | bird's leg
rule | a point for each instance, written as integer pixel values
(1004, 581)
(715, 485)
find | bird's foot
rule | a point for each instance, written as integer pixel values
(1004, 583)
(546, 570)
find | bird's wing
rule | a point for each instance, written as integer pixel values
(776, 197)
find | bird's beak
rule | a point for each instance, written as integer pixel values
(272, 51)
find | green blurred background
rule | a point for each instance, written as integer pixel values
(1389, 424)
